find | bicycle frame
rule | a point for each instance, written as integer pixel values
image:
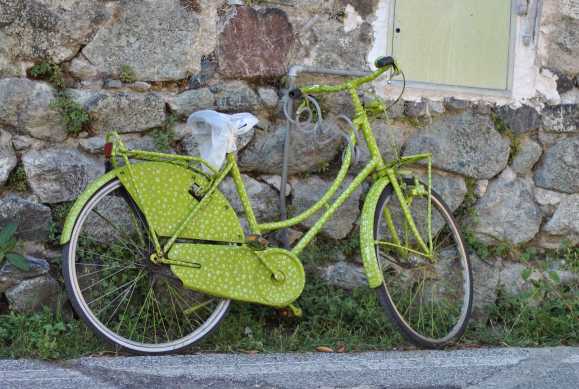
(375, 168)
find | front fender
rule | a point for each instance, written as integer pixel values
(81, 201)
(367, 248)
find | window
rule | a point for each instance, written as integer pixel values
(464, 43)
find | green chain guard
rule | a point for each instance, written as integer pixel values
(161, 190)
(237, 273)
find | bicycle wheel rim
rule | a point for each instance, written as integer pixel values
(82, 306)
(391, 297)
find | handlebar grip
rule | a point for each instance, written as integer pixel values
(295, 93)
(383, 62)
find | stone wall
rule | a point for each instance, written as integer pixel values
(141, 67)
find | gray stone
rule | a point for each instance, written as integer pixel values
(308, 191)
(309, 151)
(519, 120)
(255, 43)
(451, 187)
(390, 139)
(548, 200)
(275, 181)
(436, 107)
(186, 103)
(486, 282)
(417, 109)
(264, 199)
(511, 278)
(140, 86)
(559, 38)
(113, 84)
(528, 155)
(344, 275)
(481, 188)
(82, 69)
(11, 275)
(60, 174)
(559, 169)
(463, 143)
(454, 104)
(160, 40)
(269, 96)
(561, 118)
(34, 294)
(25, 107)
(23, 142)
(8, 159)
(207, 72)
(235, 96)
(33, 218)
(565, 221)
(33, 31)
(95, 145)
(507, 212)
(122, 111)
(327, 44)
(565, 83)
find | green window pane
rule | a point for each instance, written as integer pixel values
(454, 42)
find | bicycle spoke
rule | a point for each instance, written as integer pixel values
(428, 292)
(129, 300)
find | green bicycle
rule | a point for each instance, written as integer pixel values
(154, 253)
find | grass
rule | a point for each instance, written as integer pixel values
(45, 335)
(17, 181)
(164, 136)
(127, 75)
(545, 315)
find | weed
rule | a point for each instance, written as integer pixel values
(73, 114)
(9, 247)
(163, 136)
(45, 335)
(127, 74)
(543, 315)
(59, 214)
(505, 130)
(17, 180)
(50, 72)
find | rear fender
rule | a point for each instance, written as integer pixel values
(80, 203)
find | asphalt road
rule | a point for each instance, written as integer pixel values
(481, 368)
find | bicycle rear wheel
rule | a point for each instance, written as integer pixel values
(120, 294)
(429, 299)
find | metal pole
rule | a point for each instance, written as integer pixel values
(294, 72)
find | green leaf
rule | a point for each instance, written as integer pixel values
(18, 261)
(554, 276)
(526, 273)
(8, 246)
(7, 232)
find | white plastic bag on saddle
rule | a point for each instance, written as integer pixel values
(216, 133)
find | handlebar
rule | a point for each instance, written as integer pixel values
(383, 64)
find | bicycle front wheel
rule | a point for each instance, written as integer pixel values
(428, 298)
(120, 294)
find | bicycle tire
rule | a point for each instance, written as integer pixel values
(82, 307)
(385, 294)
